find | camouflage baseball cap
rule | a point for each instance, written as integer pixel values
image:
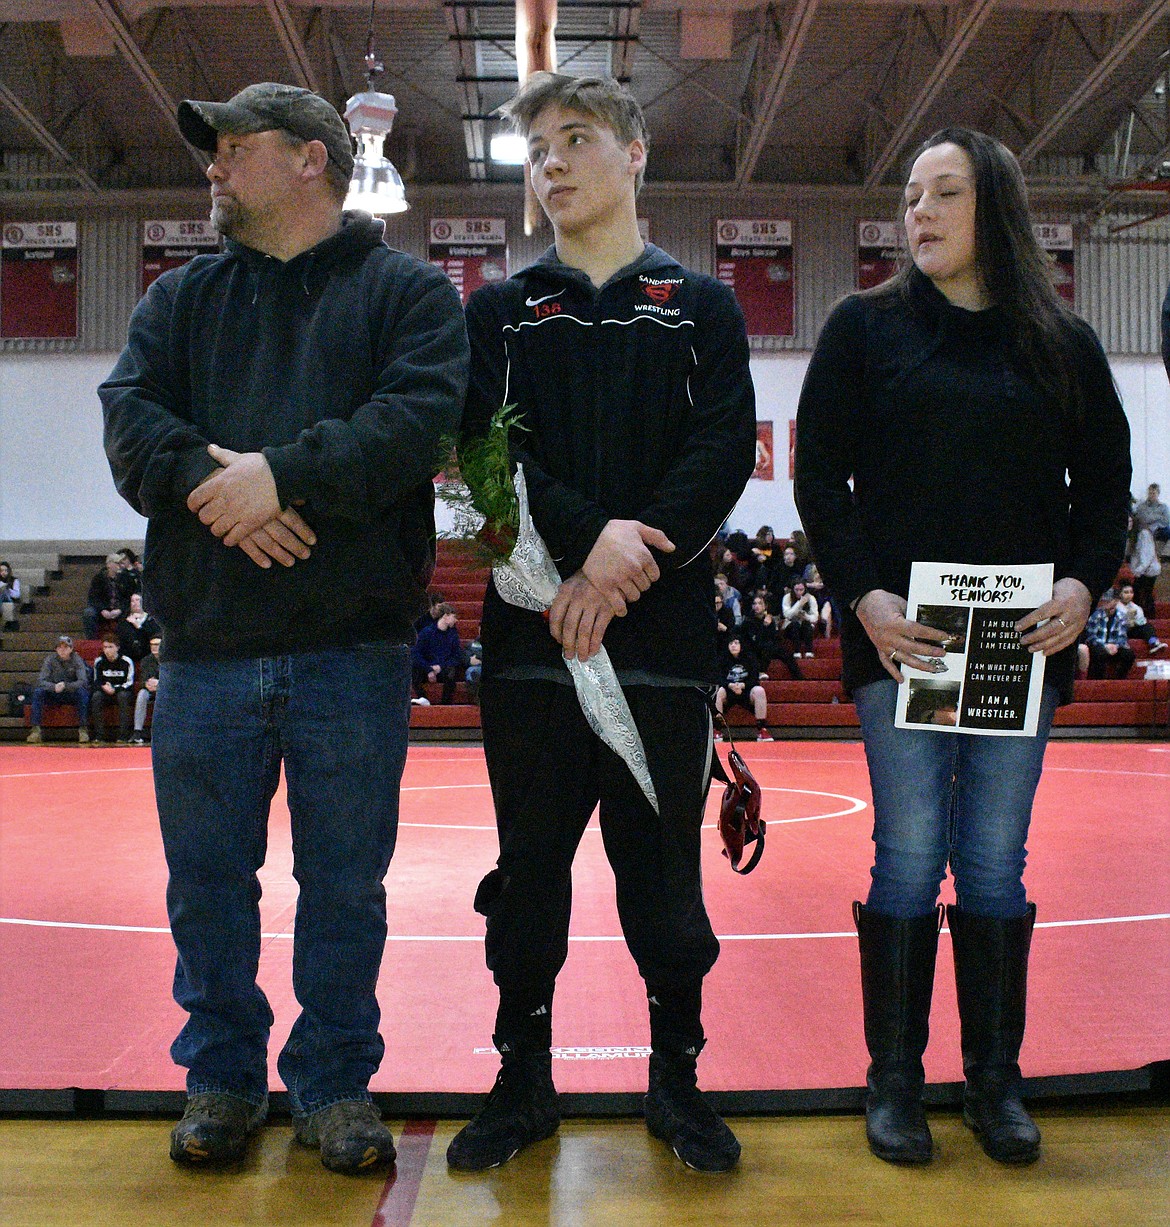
(263, 107)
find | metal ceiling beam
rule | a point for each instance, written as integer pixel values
(1113, 60)
(293, 44)
(47, 140)
(625, 21)
(461, 20)
(766, 102)
(133, 54)
(963, 37)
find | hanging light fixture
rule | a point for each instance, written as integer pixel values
(376, 186)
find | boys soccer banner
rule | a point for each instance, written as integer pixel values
(754, 258)
(878, 244)
(170, 244)
(1057, 241)
(472, 251)
(38, 280)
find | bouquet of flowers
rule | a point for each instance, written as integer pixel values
(492, 515)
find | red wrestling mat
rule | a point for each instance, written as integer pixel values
(86, 958)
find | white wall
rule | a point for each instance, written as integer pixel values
(54, 481)
(55, 484)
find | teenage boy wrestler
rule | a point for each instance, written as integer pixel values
(631, 376)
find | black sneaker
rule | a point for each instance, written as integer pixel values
(138, 740)
(215, 1129)
(521, 1109)
(677, 1113)
(350, 1136)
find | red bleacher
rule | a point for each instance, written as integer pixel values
(818, 701)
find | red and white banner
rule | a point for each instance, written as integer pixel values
(1057, 240)
(765, 453)
(38, 280)
(754, 258)
(878, 244)
(472, 251)
(170, 244)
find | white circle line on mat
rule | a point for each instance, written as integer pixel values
(723, 937)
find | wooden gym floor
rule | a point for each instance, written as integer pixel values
(1101, 1166)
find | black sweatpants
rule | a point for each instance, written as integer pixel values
(548, 773)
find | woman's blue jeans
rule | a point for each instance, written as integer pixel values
(948, 797)
(337, 720)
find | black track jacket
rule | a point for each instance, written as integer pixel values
(639, 405)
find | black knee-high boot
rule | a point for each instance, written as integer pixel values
(897, 980)
(991, 976)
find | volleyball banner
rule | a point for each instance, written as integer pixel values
(878, 244)
(1057, 240)
(754, 258)
(170, 244)
(38, 281)
(472, 251)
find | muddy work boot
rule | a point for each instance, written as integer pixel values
(215, 1129)
(350, 1136)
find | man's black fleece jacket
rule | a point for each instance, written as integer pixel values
(639, 405)
(955, 455)
(345, 365)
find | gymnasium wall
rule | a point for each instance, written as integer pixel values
(54, 483)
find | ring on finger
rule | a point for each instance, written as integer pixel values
(1062, 621)
(894, 657)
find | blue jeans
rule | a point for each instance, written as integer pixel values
(42, 698)
(338, 722)
(948, 797)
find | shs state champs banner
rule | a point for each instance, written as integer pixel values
(38, 281)
(754, 258)
(1057, 240)
(878, 245)
(170, 244)
(472, 251)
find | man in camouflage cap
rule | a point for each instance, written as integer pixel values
(276, 415)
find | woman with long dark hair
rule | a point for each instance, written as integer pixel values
(977, 420)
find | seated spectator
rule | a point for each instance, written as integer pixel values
(741, 686)
(434, 600)
(740, 564)
(9, 595)
(1107, 638)
(107, 599)
(148, 681)
(438, 656)
(731, 597)
(724, 622)
(130, 576)
(761, 630)
(784, 571)
(63, 681)
(801, 548)
(136, 630)
(816, 586)
(764, 543)
(1153, 514)
(1143, 562)
(800, 617)
(113, 678)
(1135, 616)
(474, 669)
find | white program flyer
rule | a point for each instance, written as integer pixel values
(992, 684)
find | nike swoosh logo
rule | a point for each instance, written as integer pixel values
(532, 302)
